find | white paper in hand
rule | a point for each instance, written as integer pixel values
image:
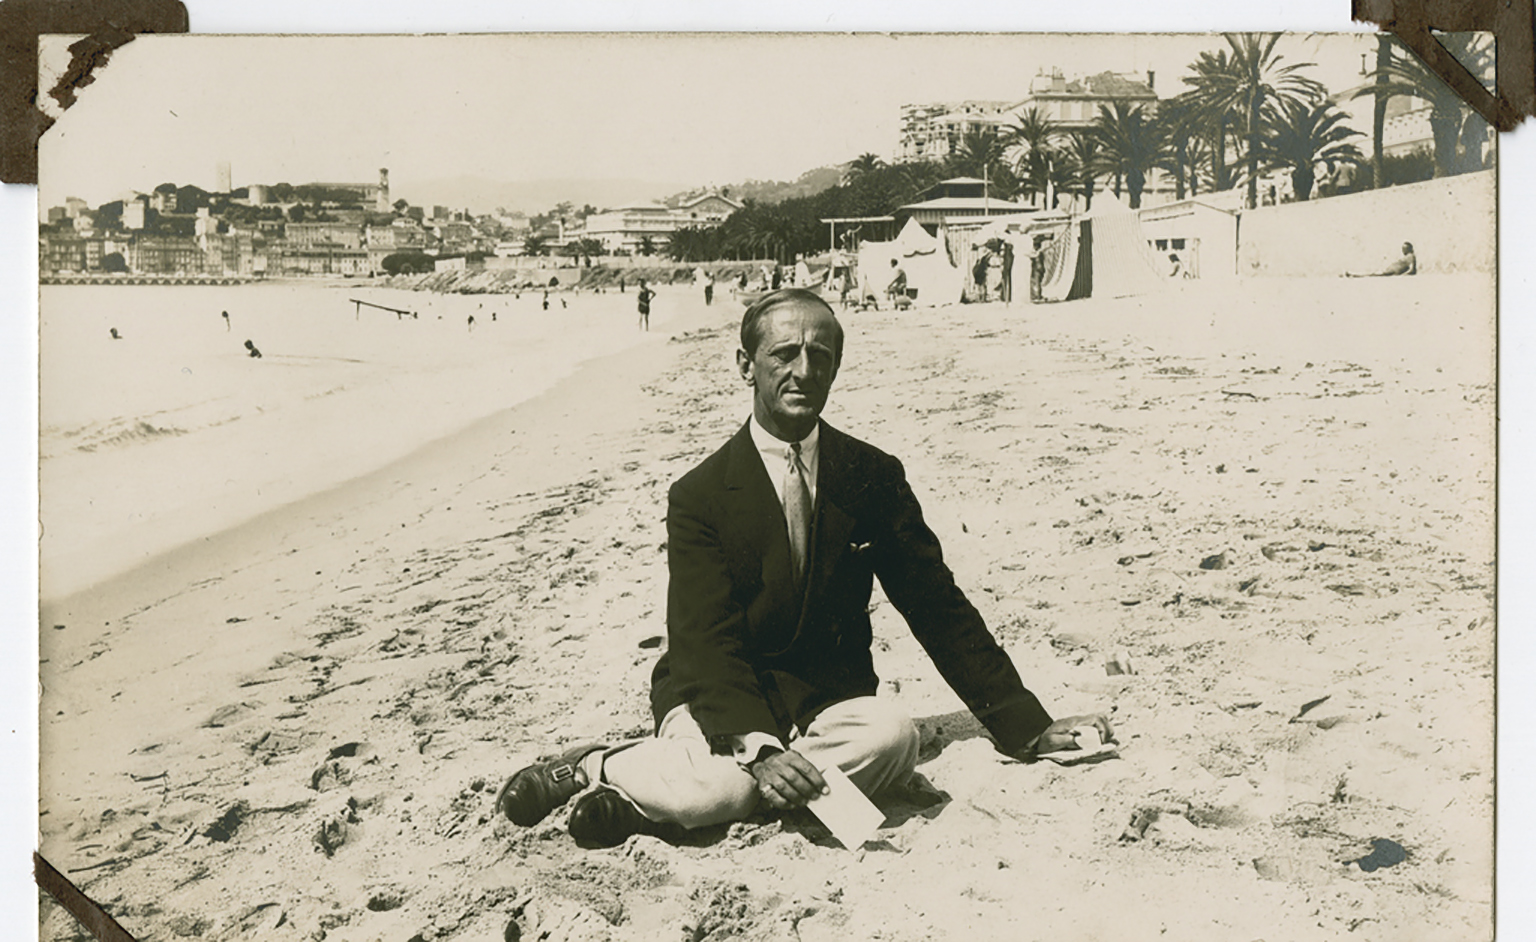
(852, 818)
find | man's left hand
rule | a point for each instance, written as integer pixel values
(1058, 735)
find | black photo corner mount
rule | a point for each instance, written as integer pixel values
(105, 24)
(1510, 22)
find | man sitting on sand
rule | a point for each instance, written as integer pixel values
(773, 543)
(1407, 264)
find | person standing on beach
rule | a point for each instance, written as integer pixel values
(709, 289)
(644, 305)
(773, 543)
(897, 289)
(226, 321)
(1007, 286)
(471, 323)
(979, 274)
(546, 299)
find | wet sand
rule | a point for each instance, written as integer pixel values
(1275, 498)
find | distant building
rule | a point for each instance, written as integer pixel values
(955, 198)
(934, 131)
(402, 235)
(381, 198)
(339, 235)
(455, 236)
(708, 209)
(60, 252)
(256, 194)
(57, 214)
(1075, 104)
(74, 206)
(224, 177)
(134, 212)
(164, 255)
(625, 229)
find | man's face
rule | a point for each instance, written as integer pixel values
(792, 371)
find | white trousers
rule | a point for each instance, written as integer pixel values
(675, 778)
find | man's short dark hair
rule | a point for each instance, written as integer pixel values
(751, 321)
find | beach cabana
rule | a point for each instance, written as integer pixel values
(931, 279)
(1103, 254)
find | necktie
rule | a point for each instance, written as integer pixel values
(797, 510)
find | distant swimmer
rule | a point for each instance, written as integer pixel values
(252, 351)
(226, 320)
(116, 335)
(1406, 264)
(645, 296)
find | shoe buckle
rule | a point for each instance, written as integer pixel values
(562, 772)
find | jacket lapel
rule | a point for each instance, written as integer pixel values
(832, 525)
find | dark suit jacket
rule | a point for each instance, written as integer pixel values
(748, 652)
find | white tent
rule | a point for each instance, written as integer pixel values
(1101, 254)
(931, 279)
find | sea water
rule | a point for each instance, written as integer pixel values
(174, 431)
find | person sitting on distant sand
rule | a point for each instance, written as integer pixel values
(1407, 264)
(251, 351)
(226, 320)
(115, 334)
(768, 682)
(897, 289)
(644, 298)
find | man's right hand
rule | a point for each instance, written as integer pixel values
(787, 780)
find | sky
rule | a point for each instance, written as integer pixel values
(692, 109)
(778, 103)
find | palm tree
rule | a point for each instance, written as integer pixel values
(979, 155)
(1033, 138)
(1132, 144)
(1209, 102)
(1085, 157)
(1301, 134)
(1243, 86)
(862, 165)
(1182, 122)
(1398, 72)
(1260, 79)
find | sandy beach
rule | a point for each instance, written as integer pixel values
(1274, 498)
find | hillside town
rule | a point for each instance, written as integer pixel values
(1067, 138)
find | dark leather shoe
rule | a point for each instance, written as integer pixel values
(604, 818)
(529, 796)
